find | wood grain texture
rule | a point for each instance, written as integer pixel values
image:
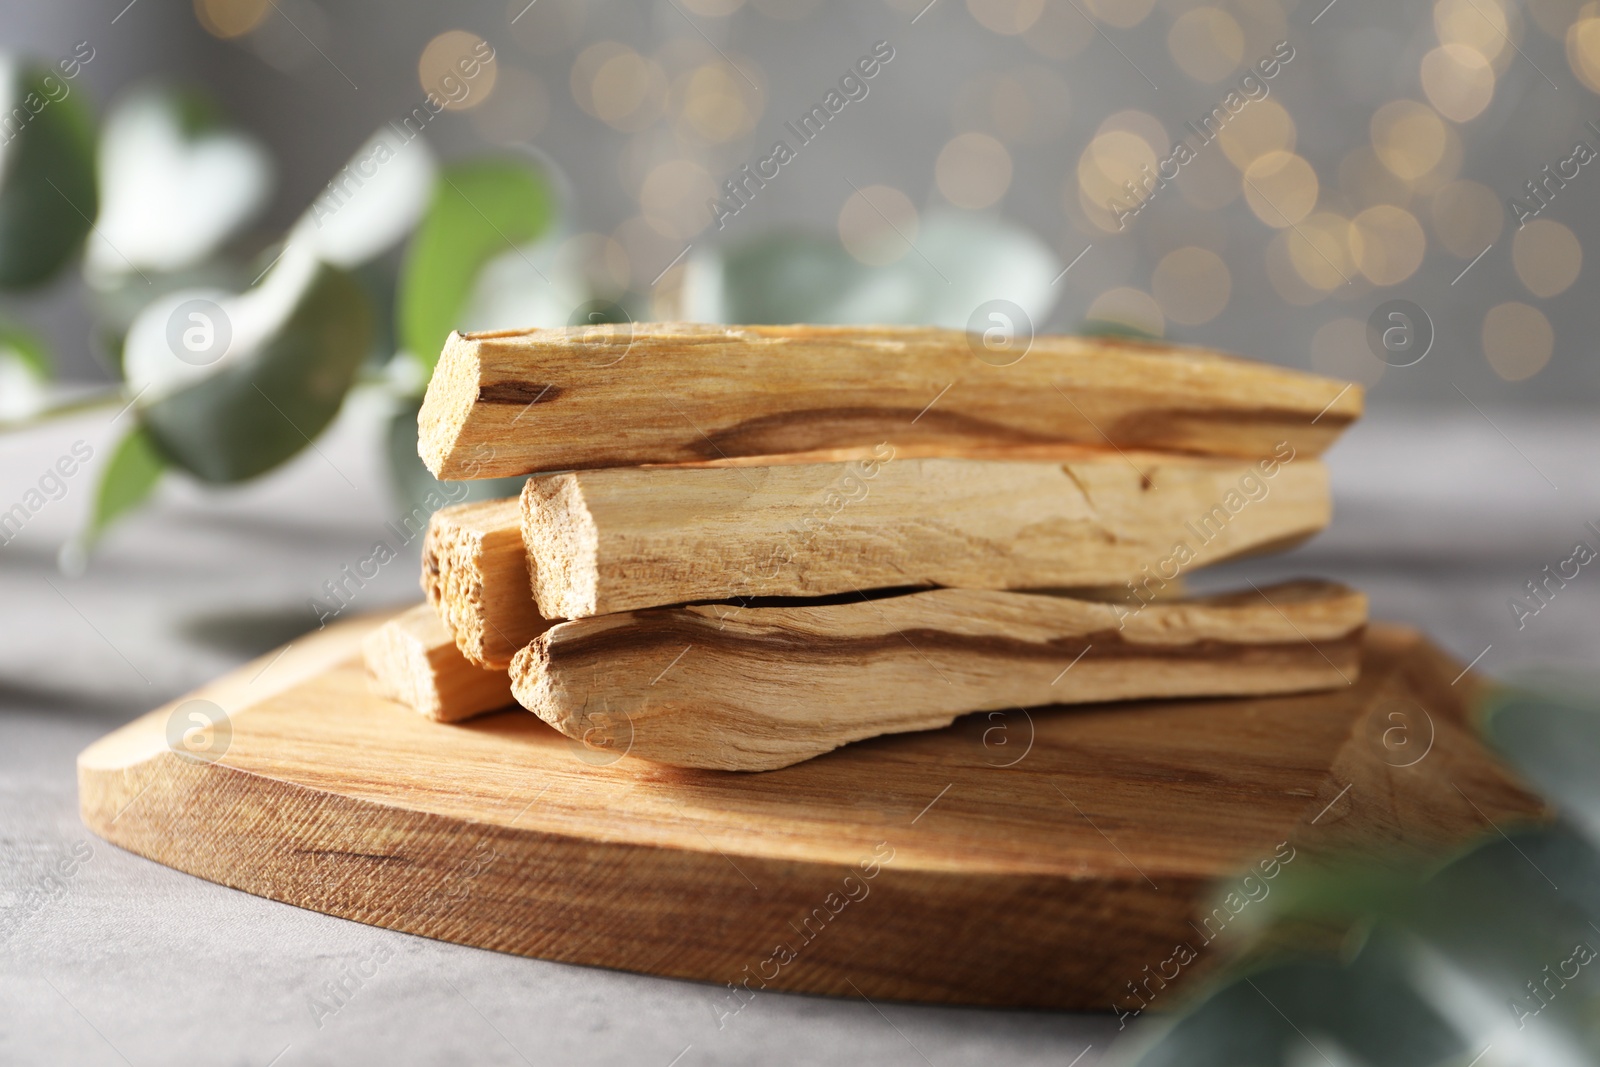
(1040, 859)
(607, 541)
(414, 660)
(475, 575)
(755, 689)
(516, 402)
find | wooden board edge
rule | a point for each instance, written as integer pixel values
(561, 898)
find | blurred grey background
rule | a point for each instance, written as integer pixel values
(1378, 166)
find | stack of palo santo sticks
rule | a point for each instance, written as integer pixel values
(751, 545)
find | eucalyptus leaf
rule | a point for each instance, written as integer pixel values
(480, 210)
(373, 201)
(176, 183)
(25, 348)
(1114, 329)
(1550, 730)
(117, 301)
(1498, 947)
(47, 188)
(959, 262)
(1367, 1012)
(24, 367)
(521, 288)
(126, 482)
(231, 386)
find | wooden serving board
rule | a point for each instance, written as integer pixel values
(1043, 859)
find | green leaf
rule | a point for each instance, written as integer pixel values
(297, 344)
(959, 263)
(372, 202)
(176, 184)
(1314, 1011)
(26, 348)
(47, 192)
(1114, 329)
(1550, 730)
(130, 475)
(479, 210)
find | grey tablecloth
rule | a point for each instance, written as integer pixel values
(1442, 516)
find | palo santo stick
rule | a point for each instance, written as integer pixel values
(413, 659)
(517, 402)
(760, 688)
(606, 541)
(475, 574)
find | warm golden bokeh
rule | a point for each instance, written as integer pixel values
(714, 102)
(1547, 257)
(459, 68)
(1339, 349)
(1192, 285)
(1387, 244)
(1265, 126)
(1009, 17)
(1281, 188)
(1206, 43)
(1583, 51)
(878, 224)
(231, 18)
(1517, 340)
(973, 170)
(1107, 165)
(1479, 24)
(618, 86)
(627, 91)
(1126, 306)
(1467, 217)
(1319, 251)
(1408, 137)
(1458, 81)
(1281, 273)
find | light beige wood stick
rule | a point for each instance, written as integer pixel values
(760, 688)
(605, 541)
(413, 659)
(517, 402)
(475, 574)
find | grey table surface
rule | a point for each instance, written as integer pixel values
(1441, 516)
